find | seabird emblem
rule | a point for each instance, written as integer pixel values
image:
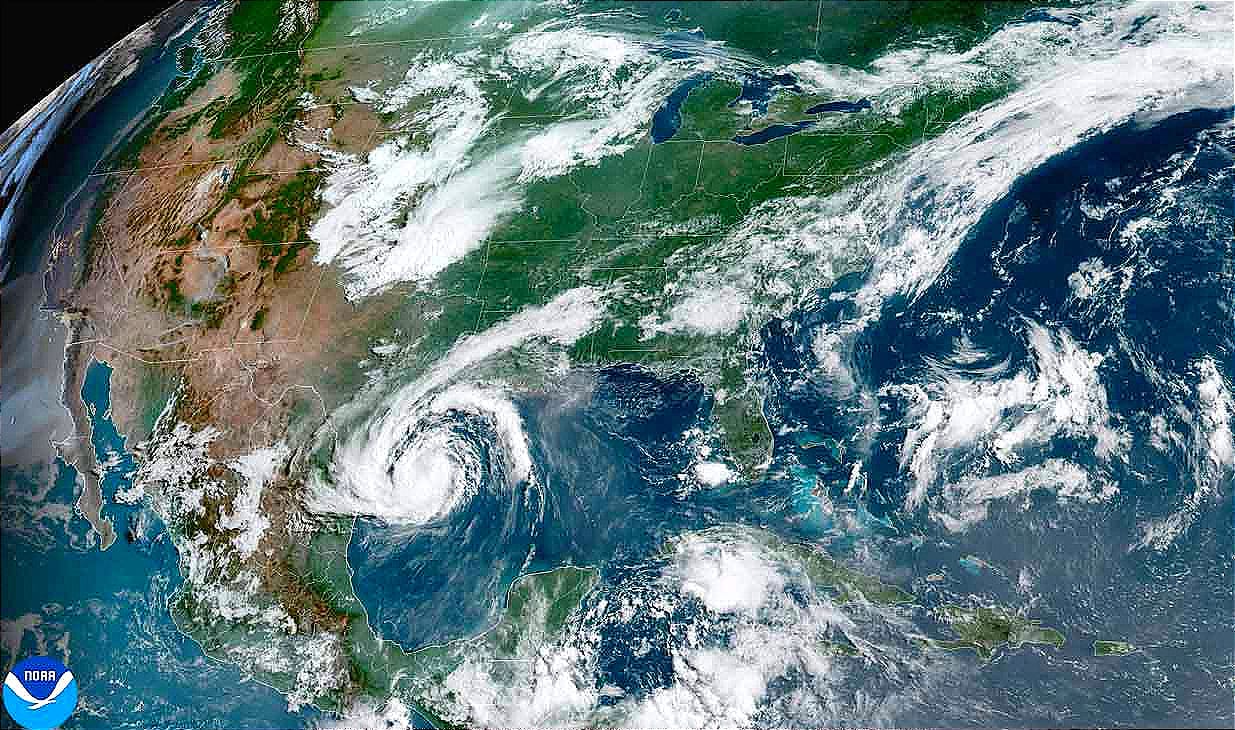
(40, 693)
(14, 684)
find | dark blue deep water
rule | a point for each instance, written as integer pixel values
(134, 668)
(131, 662)
(668, 118)
(761, 87)
(771, 132)
(1149, 204)
(840, 106)
(1154, 203)
(607, 471)
(1156, 198)
(1177, 311)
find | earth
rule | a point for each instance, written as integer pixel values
(651, 365)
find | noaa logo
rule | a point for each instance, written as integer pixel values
(40, 693)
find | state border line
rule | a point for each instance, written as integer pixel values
(378, 130)
(106, 340)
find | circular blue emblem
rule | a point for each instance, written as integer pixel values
(40, 693)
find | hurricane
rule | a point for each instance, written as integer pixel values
(646, 365)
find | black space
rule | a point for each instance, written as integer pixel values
(43, 42)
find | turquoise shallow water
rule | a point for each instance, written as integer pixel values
(133, 666)
(105, 613)
(609, 493)
(609, 461)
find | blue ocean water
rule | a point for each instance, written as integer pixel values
(1149, 201)
(604, 493)
(1040, 15)
(81, 148)
(608, 495)
(133, 666)
(996, 281)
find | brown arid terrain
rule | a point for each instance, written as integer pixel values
(200, 291)
(504, 364)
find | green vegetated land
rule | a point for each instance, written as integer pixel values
(635, 223)
(1107, 647)
(535, 611)
(610, 225)
(281, 226)
(845, 583)
(986, 629)
(615, 225)
(604, 226)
